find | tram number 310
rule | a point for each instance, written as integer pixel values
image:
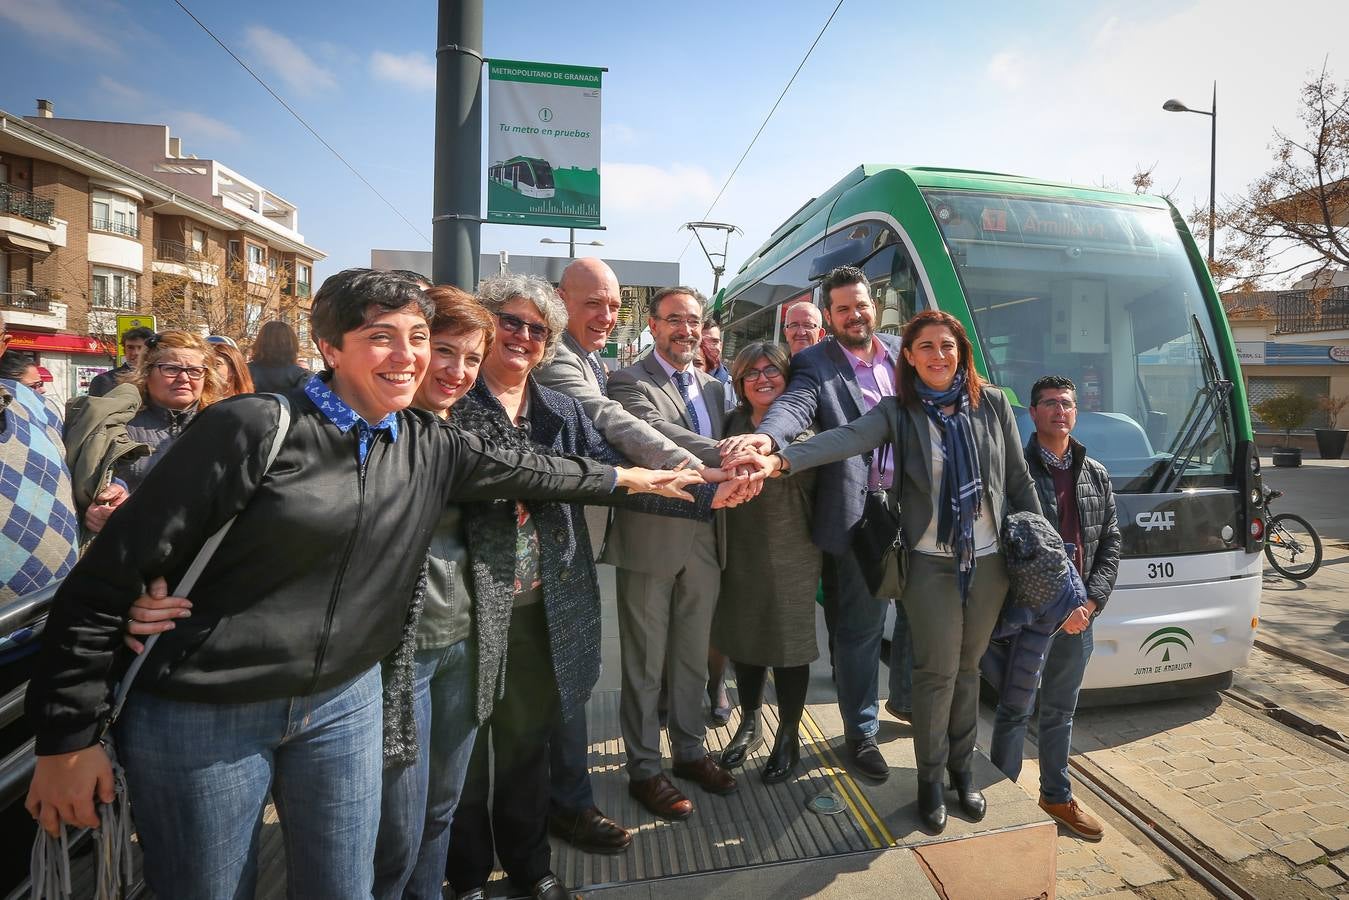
(1161, 570)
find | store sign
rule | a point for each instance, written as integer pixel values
(1251, 353)
(1340, 353)
(543, 144)
(59, 343)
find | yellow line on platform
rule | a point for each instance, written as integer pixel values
(866, 815)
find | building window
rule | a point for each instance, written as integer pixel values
(257, 264)
(304, 275)
(114, 289)
(1264, 387)
(114, 213)
(198, 240)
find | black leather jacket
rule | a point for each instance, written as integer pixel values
(311, 586)
(1101, 538)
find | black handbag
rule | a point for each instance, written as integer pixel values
(878, 543)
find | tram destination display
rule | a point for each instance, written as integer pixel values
(543, 144)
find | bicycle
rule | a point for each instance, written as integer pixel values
(1292, 545)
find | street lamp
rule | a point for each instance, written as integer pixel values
(1177, 106)
(571, 243)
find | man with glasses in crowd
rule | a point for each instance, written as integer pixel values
(802, 326)
(1076, 495)
(669, 570)
(134, 341)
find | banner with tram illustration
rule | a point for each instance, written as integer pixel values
(543, 144)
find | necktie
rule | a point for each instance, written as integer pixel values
(598, 369)
(685, 379)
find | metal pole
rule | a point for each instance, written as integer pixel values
(571, 243)
(1212, 174)
(456, 200)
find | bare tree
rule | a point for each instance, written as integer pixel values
(1295, 218)
(234, 300)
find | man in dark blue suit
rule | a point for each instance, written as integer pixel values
(832, 383)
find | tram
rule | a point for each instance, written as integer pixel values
(1109, 289)
(526, 175)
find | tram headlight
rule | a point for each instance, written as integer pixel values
(1255, 496)
(1255, 463)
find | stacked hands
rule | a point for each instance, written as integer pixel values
(735, 484)
(751, 455)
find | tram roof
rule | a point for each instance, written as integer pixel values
(784, 240)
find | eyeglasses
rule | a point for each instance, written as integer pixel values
(170, 371)
(37, 387)
(1063, 405)
(533, 331)
(765, 372)
(689, 321)
(800, 326)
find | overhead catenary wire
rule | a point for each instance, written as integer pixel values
(764, 124)
(318, 137)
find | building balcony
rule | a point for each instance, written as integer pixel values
(1297, 313)
(178, 259)
(123, 301)
(298, 289)
(132, 231)
(28, 305)
(17, 202)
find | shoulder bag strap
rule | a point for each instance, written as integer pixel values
(189, 579)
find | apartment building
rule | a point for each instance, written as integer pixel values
(105, 218)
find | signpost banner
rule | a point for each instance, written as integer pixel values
(543, 144)
(127, 322)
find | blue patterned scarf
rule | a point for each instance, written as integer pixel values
(962, 490)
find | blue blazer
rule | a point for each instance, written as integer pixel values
(822, 393)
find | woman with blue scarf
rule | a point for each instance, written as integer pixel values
(959, 470)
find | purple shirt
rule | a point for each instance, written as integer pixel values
(876, 379)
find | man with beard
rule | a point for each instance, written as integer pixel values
(832, 383)
(669, 570)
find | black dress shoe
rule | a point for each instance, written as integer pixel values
(932, 805)
(782, 762)
(971, 801)
(590, 830)
(549, 888)
(868, 761)
(472, 894)
(747, 738)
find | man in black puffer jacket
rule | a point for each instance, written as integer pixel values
(1076, 495)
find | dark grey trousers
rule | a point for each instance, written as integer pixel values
(948, 641)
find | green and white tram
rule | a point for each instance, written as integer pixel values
(1110, 290)
(526, 175)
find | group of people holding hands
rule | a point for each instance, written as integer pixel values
(396, 637)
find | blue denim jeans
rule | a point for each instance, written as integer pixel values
(420, 799)
(1059, 685)
(858, 626)
(901, 662)
(199, 774)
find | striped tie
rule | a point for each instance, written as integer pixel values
(598, 369)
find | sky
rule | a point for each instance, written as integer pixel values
(1064, 91)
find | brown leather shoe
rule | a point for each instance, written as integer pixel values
(590, 831)
(708, 774)
(661, 798)
(1074, 818)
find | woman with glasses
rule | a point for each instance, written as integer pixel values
(765, 613)
(113, 441)
(536, 598)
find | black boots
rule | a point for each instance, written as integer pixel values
(781, 763)
(932, 805)
(971, 801)
(747, 737)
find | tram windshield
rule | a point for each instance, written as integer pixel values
(1105, 294)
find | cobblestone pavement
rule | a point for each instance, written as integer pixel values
(1314, 697)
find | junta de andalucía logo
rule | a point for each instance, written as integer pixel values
(1170, 639)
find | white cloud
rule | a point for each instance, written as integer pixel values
(284, 58)
(638, 187)
(1007, 69)
(413, 70)
(51, 21)
(199, 126)
(121, 95)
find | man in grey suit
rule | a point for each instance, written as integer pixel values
(589, 289)
(831, 384)
(669, 570)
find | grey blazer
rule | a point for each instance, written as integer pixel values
(642, 542)
(1007, 483)
(569, 373)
